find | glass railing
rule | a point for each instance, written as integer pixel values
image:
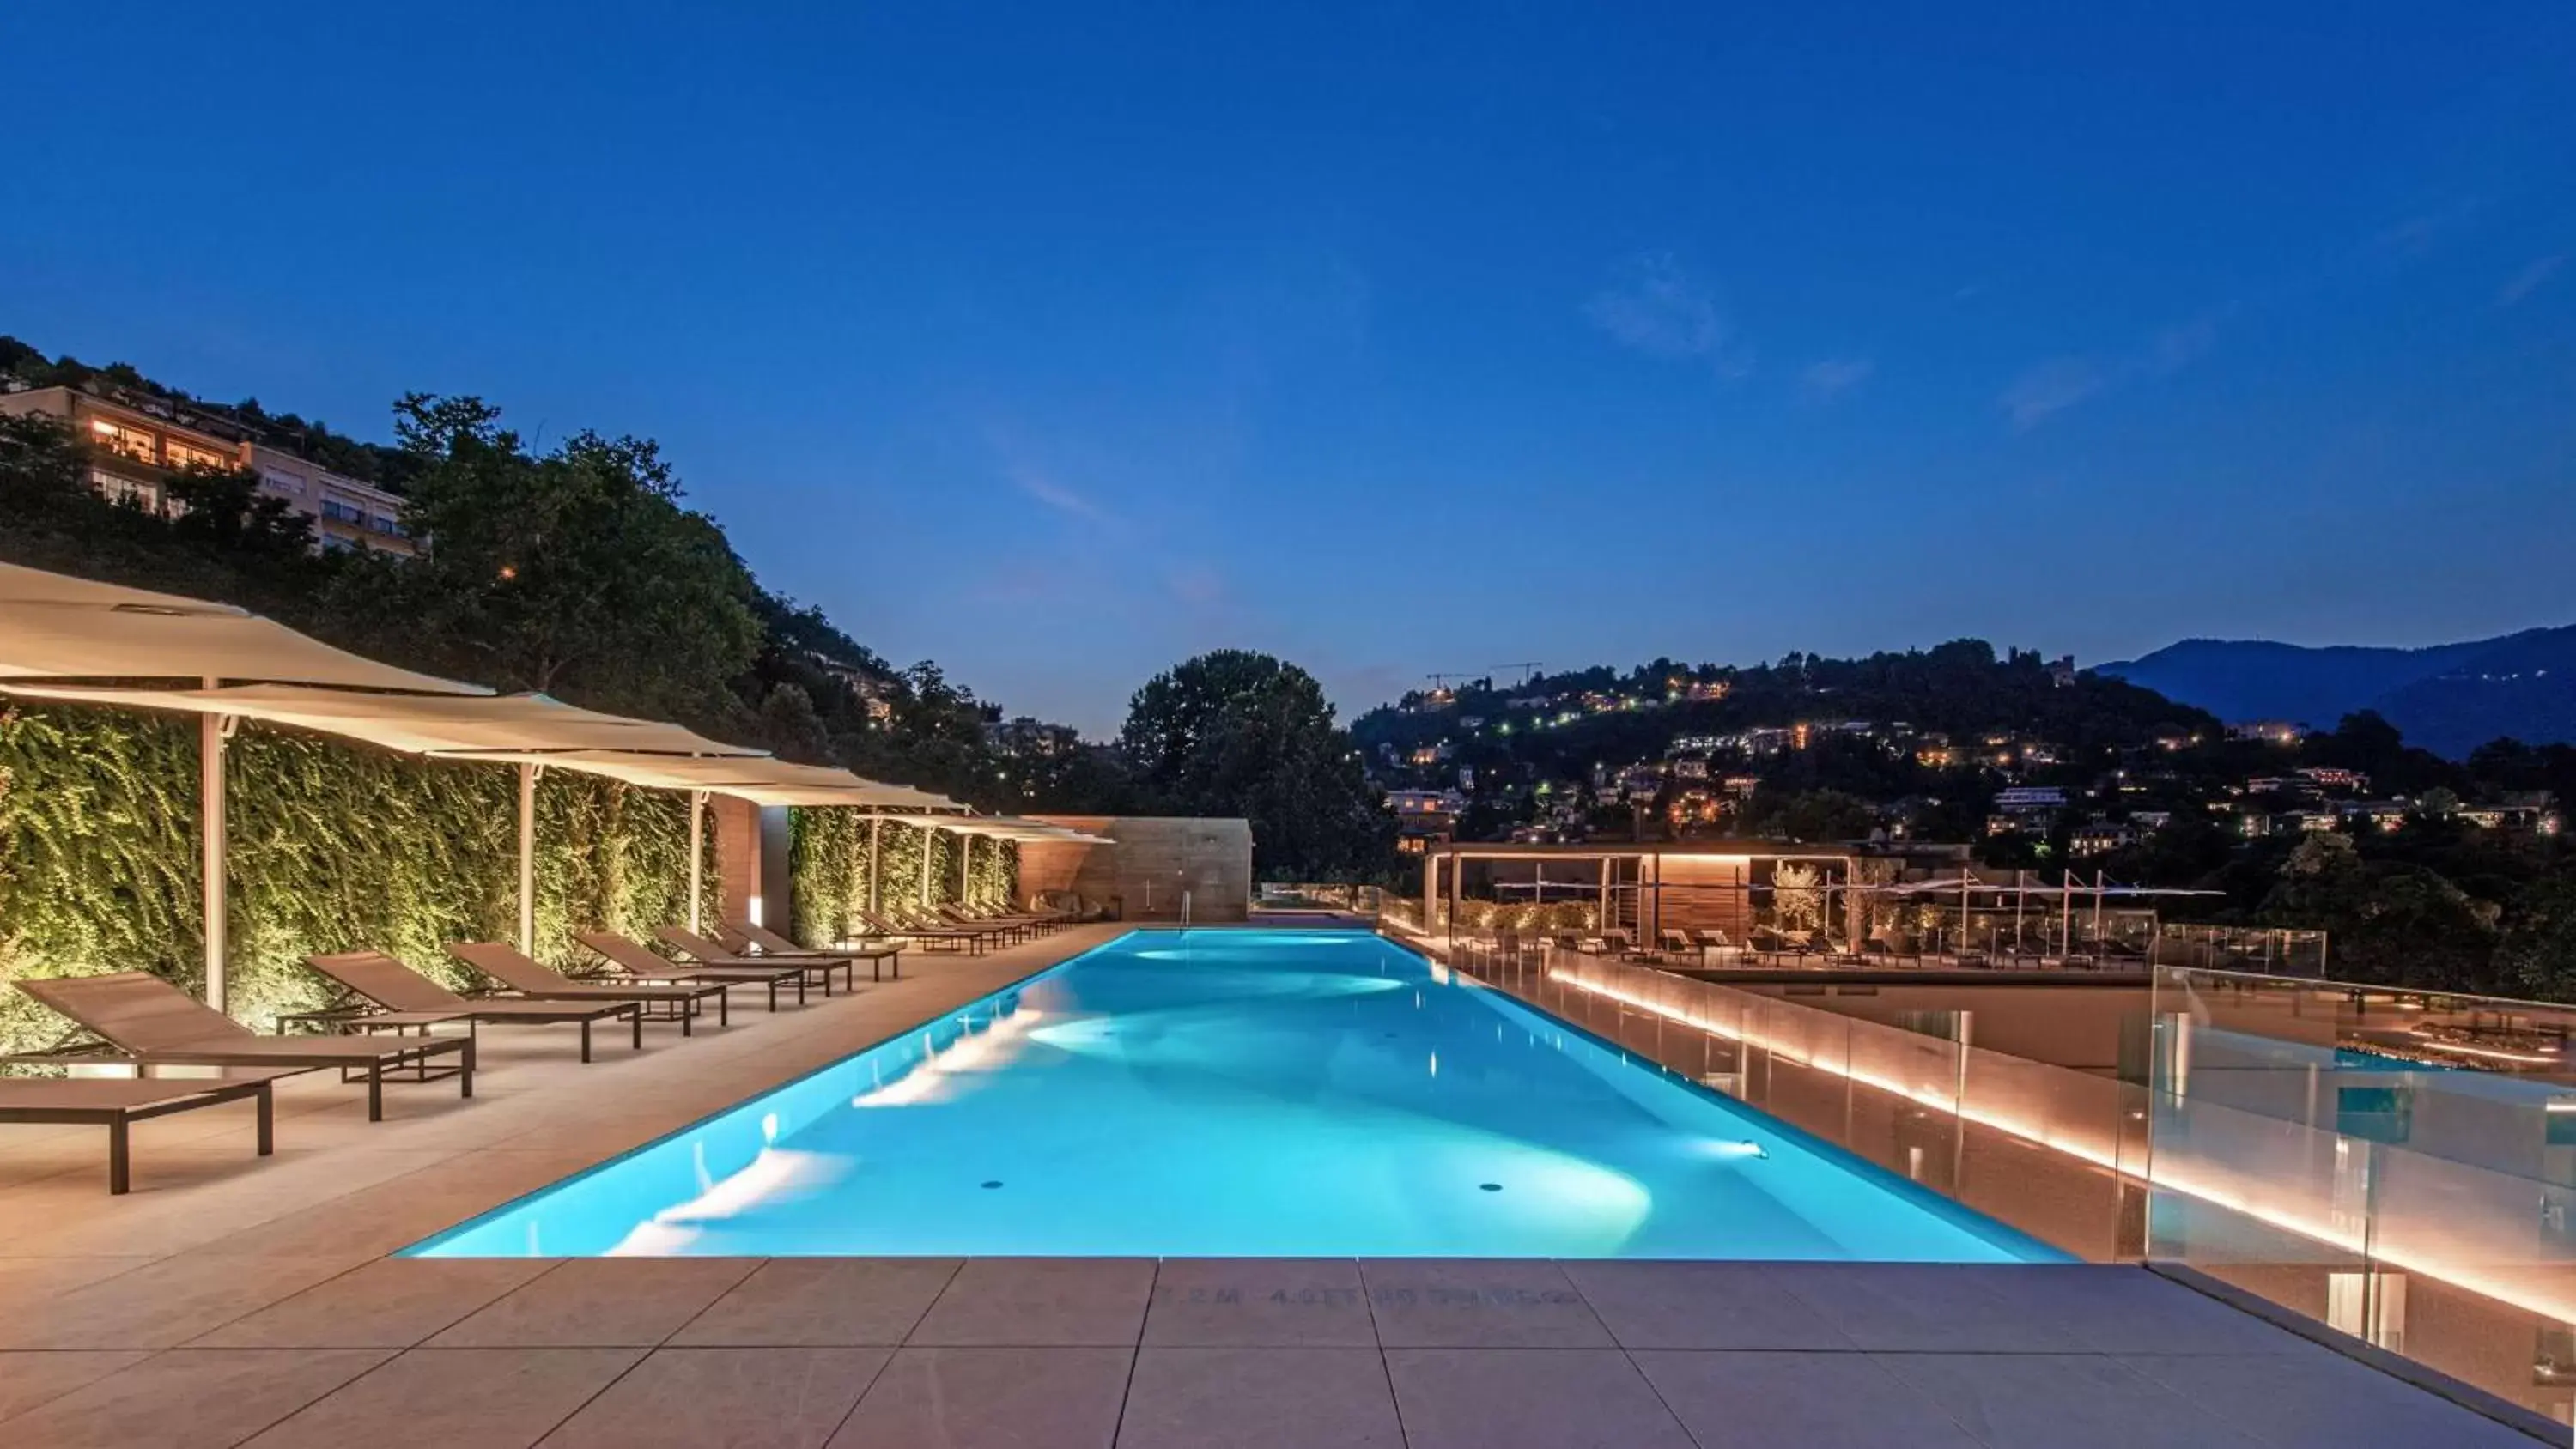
(2399, 1165)
(2056, 1152)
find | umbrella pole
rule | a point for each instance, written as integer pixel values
(697, 853)
(527, 858)
(965, 864)
(876, 862)
(211, 842)
(928, 839)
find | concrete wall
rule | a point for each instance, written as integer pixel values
(1156, 859)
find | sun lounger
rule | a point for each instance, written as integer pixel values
(955, 936)
(1011, 927)
(816, 966)
(140, 1018)
(747, 939)
(636, 961)
(397, 995)
(117, 1103)
(920, 918)
(1675, 942)
(518, 973)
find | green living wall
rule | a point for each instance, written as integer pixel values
(830, 870)
(333, 847)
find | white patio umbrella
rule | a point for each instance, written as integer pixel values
(56, 628)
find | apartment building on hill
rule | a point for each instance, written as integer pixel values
(136, 443)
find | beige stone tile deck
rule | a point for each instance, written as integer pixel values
(231, 1300)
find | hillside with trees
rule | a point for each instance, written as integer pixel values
(2425, 870)
(581, 570)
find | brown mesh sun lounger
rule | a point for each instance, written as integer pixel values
(816, 965)
(117, 1103)
(746, 939)
(399, 995)
(633, 959)
(680, 1000)
(143, 1019)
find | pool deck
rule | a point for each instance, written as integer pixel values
(230, 1300)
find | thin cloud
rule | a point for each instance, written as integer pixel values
(2529, 280)
(1830, 379)
(1657, 306)
(2060, 383)
(2051, 387)
(1045, 489)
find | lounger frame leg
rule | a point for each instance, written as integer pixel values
(266, 1098)
(117, 1163)
(635, 1016)
(375, 1091)
(465, 1077)
(585, 1041)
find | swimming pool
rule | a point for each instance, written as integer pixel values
(1241, 1093)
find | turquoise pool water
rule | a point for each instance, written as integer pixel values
(1241, 1093)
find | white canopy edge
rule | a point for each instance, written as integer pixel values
(759, 779)
(999, 827)
(534, 725)
(20, 584)
(61, 628)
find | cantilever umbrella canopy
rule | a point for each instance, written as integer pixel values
(532, 731)
(57, 628)
(78, 640)
(61, 628)
(967, 828)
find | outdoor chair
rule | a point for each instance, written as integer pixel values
(1675, 942)
(814, 967)
(141, 1020)
(928, 918)
(928, 937)
(117, 1103)
(523, 977)
(634, 961)
(746, 939)
(1024, 927)
(385, 994)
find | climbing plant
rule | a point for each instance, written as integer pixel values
(830, 868)
(332, 847)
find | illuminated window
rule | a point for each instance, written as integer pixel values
(188, 455)
(344, 512)
(135, 443)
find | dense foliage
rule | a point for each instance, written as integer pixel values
(835, 854)
(1234, 732)
(333, 848)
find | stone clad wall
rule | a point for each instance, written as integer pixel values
(1156, 859)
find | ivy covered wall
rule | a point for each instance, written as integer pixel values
(830, 870)
(333, 847)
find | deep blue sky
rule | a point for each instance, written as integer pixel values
(1059, 342)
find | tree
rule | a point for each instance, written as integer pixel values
(576, 572)
(1239, 733)
(2388, 921)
